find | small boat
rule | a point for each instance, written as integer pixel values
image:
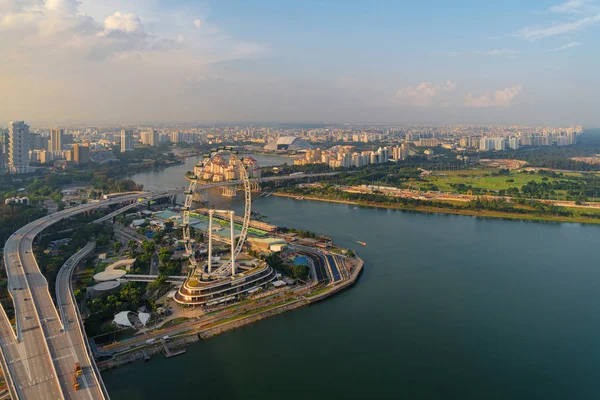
(361, 243)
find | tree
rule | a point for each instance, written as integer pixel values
(117, 246)
(132, 245)
(164, 255)
(148, 246)
(168, 225)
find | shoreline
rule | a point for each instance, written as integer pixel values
(193, 334)
(437, 210)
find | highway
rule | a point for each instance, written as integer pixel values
(38, 359)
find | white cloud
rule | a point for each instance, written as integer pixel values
(499, 98)
(588, 14)
(573, 7)
(124, 22)
(197, 23)
(537, 32)
(63, 6)
(425, 94)
(567, 46)
(500, 52)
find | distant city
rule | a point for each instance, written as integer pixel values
(22, 146)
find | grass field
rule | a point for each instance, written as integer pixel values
(484, 179)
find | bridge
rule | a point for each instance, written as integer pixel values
(38, 356)
(238, 182)
(150, 278)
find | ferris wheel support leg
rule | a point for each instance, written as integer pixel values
(231, 214)
(210, 219)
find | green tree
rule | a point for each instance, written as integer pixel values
(117, 246)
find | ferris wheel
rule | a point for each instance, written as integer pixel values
(196, 182)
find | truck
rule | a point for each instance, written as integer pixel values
(78, 370)
(75, 383)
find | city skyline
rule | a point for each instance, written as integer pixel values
(330, 62)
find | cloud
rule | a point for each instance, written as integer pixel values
(425, 94)
(499, 98)
(500, 52)
(63, 6)
(567, 46)
(572, 7)
(197, 23)
(588, 15)
(124, 22)
(537, 32)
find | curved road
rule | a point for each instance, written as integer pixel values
(38, 360)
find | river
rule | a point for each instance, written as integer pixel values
(448, 307)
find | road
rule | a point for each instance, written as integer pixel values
(38, 359)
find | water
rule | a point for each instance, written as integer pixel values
(173, 176)
(448, 307)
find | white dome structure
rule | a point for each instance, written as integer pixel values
(284, 143)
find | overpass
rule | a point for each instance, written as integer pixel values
(38, 357)
(299, 175)
(150, 278)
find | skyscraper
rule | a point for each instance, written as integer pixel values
(18, 147)
(56, 140)
(126, 140)
(81, 153)
(150, 138)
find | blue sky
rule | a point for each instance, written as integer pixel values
(141, 61)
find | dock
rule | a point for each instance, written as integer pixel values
(169, 353)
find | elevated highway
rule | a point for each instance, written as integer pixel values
(38, 356)
(203, 186)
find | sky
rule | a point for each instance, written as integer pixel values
(285, 61)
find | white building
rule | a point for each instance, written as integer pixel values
(18, 147)
(150, 138)
(126, 140)
(499, 143)
(513, 143)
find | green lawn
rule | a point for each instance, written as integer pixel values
(482, 179)
(101, 266)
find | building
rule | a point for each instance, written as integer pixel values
(56, 140)
(288, 143)
(126, 140)
(81, 153)
(176, 137)
(18, 147)
(150, 138)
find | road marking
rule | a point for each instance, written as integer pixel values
(23, 353)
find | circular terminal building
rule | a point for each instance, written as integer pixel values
(207, 290)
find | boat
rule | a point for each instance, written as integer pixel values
(361, 243)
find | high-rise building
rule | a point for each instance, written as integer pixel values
(150, 138)
(18, 147)
(56, 140)
(176, 137)
(126, 140)
(81, 153)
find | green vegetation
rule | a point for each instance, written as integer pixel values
(51, 262)
(521, 208)
(130, 297)
(299, 272)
